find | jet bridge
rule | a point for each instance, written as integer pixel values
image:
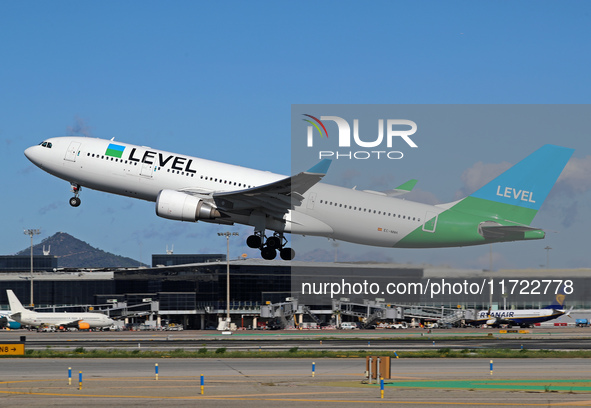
(369, 311)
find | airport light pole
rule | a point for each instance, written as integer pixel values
(547, 256)
(31, 232)
(227, 234)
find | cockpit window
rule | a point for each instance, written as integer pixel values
(49, 144)
(46, 144)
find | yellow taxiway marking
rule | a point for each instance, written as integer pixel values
(343, 401)
(262, 397)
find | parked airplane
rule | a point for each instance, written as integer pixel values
(7, 322)
(65, 319)
(523, 318)
(191, 189)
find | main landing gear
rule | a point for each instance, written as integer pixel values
(75, 201)
(271, 245)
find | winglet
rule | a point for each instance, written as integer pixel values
(321, 167)
(408, 186)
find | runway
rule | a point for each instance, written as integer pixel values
(289, 383)
(258, 383)
(402, 340)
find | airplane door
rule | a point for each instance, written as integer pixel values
(430, 222)
(72, 151)
(311, 201)
(146, 170)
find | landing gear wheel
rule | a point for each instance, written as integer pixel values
(287, 254)
(253, 241)
(274, 242)
(268, 253)
(74, 201)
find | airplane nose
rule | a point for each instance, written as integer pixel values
(29, 152)
(32, 153)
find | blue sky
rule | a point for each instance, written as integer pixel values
(218, 81)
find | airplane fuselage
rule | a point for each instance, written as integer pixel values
(37, 318)
(517, 317)
(142, 172)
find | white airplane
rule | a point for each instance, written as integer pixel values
(523, 317)
(81, 321)
(190, 189)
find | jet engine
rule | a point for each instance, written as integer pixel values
(83, 326)
(179, 206)
(5, 323)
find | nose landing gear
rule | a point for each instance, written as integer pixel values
(75, 201)
(270, 246)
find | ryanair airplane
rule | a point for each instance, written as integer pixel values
(191, 189)
(522, 318)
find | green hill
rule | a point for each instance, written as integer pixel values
(74, 253)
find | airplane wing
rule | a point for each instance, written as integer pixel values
(67, 323)
(275, 198)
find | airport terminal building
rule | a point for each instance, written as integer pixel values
(191, 289)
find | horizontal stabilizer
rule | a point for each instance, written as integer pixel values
(495, 231)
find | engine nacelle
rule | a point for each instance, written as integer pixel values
(83, 326)
(179, 206)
